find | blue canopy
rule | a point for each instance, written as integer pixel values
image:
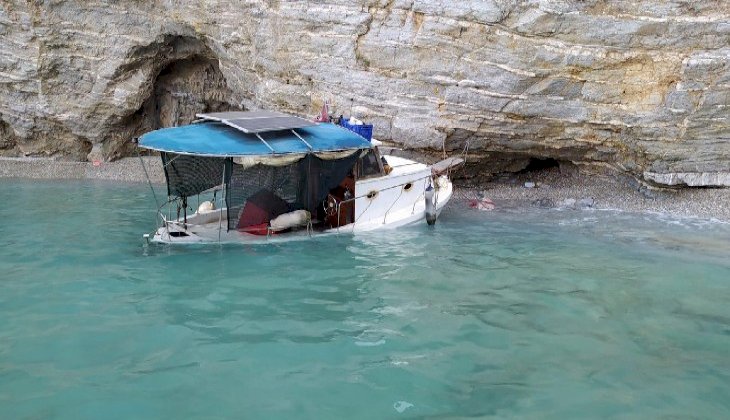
(218, 139)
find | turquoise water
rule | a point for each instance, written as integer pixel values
(508, 314)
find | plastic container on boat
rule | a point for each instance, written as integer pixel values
(365, 130)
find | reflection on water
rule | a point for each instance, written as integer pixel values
(513, 313)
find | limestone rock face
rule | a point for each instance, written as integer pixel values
(639, 86)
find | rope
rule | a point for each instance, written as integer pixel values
(149, 182)
(385, 216)
(339, 204)
(170, 161)
(354, 221)
(389, 188)
(413, 210)
(463, 154)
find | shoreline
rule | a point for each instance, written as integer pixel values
(580, 191)
(123, 170)
(552, 189)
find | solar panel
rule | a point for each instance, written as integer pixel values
(232, 115)
(258, 121)
(260, 125)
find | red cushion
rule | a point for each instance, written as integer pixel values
(260, 229)
(252, 215)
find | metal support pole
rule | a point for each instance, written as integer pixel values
(149, 182)
(220, 211)
(302, 139)
(265, 142)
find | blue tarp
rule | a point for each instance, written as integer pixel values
(217, 139)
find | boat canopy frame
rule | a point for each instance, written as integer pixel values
(298, 165)
(226, 138)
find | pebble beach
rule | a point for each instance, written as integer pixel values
(123, 170)
(547, 188)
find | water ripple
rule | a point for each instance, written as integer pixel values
(523, 314)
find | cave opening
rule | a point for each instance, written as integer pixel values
(505, 167)
(187, 81)
(6, 139)
(537, 164)
(185, 88)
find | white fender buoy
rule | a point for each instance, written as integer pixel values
(430, 208)
(206, 206)
(290, 220)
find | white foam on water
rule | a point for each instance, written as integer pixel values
(404, 360)
(693, 221)
(401, 406)
(370, 343)
(399, 310)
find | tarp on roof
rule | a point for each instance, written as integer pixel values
(217, 139)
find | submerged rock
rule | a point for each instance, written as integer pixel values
(572, 203)
(568, 203)
(586, 202)
(649, 193)
(544, 203)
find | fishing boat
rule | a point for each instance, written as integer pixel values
(262, 175)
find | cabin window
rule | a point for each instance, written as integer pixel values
(369, 165)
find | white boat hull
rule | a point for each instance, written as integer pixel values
(385, 202)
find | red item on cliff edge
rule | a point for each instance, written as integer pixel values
(324, 114)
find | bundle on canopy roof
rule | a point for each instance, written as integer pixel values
(251, 134)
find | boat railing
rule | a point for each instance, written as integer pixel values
(401, 185)
(168, 220)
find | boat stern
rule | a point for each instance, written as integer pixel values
(174, 234)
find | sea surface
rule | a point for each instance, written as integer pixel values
(507, 314)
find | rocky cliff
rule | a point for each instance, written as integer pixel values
(638, 86)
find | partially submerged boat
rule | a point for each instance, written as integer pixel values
(261, 175)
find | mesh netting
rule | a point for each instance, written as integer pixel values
(261, 181)
(301, 185)
(270, 190)
(191, 175)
